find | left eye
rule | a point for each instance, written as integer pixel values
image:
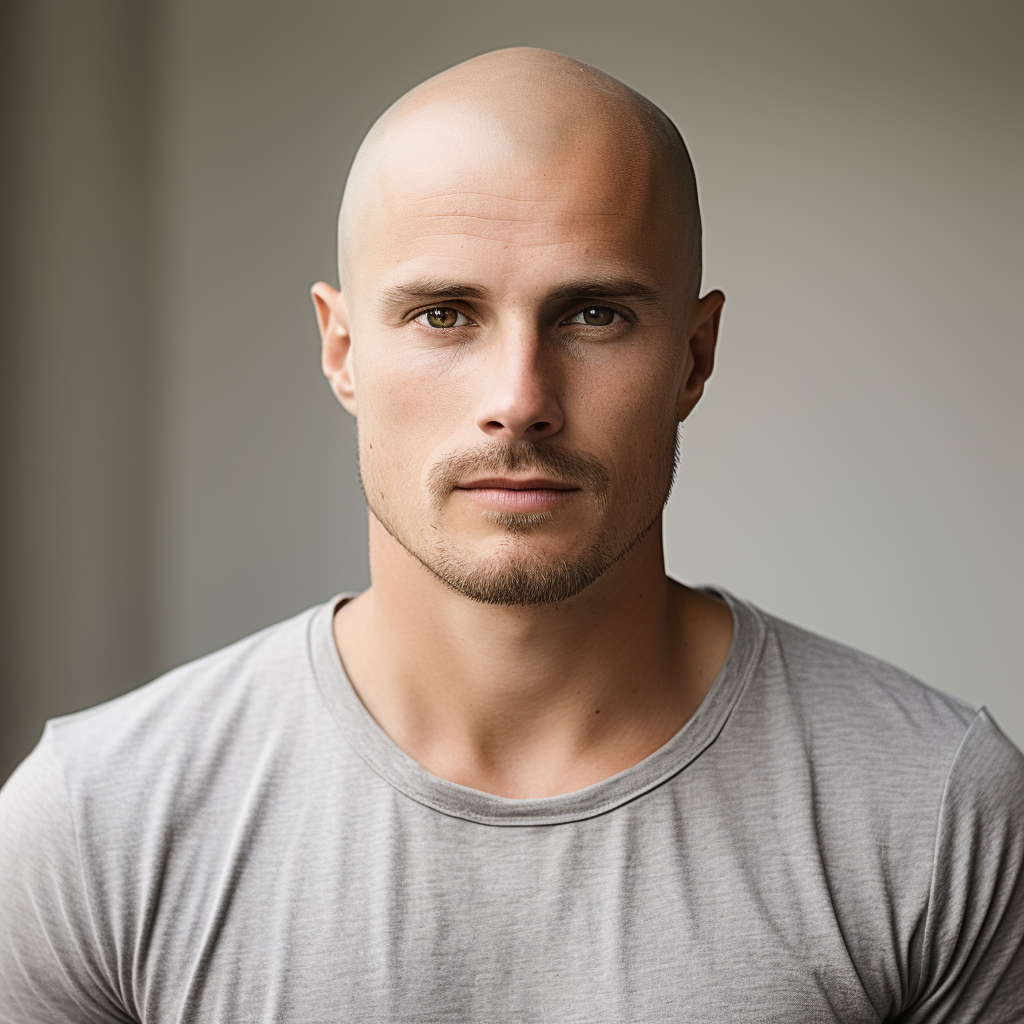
(595, 316)
(441, 317)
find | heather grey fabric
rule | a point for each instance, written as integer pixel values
(826, 840)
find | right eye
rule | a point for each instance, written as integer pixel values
(441, 317)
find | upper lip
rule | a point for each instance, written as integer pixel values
(533, 483)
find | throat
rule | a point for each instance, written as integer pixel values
(525, 703)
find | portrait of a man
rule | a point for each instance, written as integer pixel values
(526, 775)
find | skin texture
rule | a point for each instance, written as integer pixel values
(518, 335)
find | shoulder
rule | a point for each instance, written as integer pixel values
(878, 735)
(162, 750)
(914, 803)
(218, 694)
(881, 755)
(859, 709)
(91, 821)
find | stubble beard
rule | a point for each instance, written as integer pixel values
(514, 577)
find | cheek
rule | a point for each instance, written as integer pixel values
(409, 404)
(629, 401)
(628, 419)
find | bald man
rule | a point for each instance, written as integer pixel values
(525, 776)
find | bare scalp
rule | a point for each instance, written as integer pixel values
(521, 107)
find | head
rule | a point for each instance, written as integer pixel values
(518, 330)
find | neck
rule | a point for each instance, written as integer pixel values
(536, 700)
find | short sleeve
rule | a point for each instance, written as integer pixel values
(50, 967)
(973, 941)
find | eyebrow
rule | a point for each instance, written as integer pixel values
(429, 290)
(435, 290)
(603, 288)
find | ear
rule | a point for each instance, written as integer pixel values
(336, 352)
(700, 352)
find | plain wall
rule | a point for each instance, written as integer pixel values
(854, 466)
(78, 538)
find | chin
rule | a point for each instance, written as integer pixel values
(516, 573)
(520, 522)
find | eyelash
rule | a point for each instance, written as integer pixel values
(418, 317)
(610, 309)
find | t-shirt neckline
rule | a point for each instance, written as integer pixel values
(397, 768)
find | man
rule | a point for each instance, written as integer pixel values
(525, 776)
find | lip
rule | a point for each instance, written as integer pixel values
(504, 494)
(495, 483)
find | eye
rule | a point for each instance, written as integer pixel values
(441, 317)
(595, 316)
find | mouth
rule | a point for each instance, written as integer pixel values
(508, 494)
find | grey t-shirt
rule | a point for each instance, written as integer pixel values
(826, 840)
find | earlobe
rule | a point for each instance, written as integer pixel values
(700, 352)
(336, 349)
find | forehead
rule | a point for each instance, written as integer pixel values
(466, 196)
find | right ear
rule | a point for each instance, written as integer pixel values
(336, 352)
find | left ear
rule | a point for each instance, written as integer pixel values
(700, 351)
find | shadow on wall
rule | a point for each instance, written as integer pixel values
(78, 398)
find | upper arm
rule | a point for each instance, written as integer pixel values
(973, 943)
(51, 963)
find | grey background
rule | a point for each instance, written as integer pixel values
(178, 475)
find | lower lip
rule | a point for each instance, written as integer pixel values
(507, 500)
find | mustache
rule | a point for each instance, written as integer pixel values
(567, 465)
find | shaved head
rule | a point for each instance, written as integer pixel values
(529, 112)
(519, 330)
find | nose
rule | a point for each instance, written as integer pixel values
(520, 401)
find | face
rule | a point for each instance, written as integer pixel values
(518, 343)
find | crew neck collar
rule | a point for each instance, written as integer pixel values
(398, 769)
